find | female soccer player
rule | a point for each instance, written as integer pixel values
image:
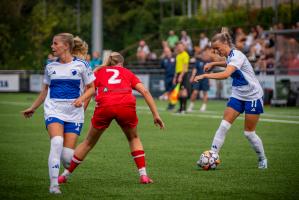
(114, 100)
(246, 95)
(63, 97)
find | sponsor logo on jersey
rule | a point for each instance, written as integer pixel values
(74, 72)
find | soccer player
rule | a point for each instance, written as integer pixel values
(181, 75)
(114, 100)
(246, 95)
(202, 85)
(63, 97)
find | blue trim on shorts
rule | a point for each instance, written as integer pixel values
(69, 127)
(250, 107)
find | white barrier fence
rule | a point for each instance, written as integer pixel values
(155, 83)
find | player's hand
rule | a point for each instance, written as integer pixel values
(28, 112)
(180, 79)
(78, 102)
(191, 79)
(158, 122)
(198, 78)
(207, 67)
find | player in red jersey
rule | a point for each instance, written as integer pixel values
(114, 100)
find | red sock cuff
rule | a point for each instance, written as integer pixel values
(137, 153)
(76, 159)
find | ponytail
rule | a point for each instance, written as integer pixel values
(224, 37)
(113, 59)
(80, 48)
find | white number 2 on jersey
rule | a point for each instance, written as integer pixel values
(113, 79)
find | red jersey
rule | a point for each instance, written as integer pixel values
(114, 86)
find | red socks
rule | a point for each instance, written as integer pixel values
(74, 163)
(139, 158)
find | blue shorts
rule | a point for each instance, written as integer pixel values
(69, 127)
(201, 85)
(250, 107)
(168, 84)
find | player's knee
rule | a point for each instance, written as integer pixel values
(56, 142)
(66, 156)
(132, 137)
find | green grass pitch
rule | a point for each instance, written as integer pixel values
(110, 173)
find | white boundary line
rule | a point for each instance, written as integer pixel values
(208, 114)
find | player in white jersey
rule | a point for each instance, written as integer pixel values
(246, 95)
(68, 84)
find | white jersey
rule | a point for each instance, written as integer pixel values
(66, 83)
(245, 85)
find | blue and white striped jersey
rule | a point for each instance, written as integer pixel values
(66, 83)
(245, 85)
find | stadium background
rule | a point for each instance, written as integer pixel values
(26, 30)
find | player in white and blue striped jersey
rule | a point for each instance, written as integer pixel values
(246, 95)
(68, 83)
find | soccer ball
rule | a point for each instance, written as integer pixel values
(208, 160)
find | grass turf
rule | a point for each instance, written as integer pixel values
(109, 171)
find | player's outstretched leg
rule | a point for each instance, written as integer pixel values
(81, 152)
(251, 121)
(258, 147)
(137, 153)
(54, 163)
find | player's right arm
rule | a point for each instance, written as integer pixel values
(210, 65)
(151, 103)
(193, 74)
(38, 101)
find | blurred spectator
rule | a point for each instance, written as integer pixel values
(168, 63)
(249, 41)
(50, 58)
(203, 85)
(186, 40)
(88, 58)
(203, 42)
(96, 60)
(240, 38)
(143, 51)
(293, 66)
(260, 32)
(172, 39)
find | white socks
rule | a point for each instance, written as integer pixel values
(256, 143)
(220, 136)
(54, 159)
(66, 156)
(191, 106)
(203, 107)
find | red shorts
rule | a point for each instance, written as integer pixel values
(126, 117)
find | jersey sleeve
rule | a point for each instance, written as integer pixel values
(134, 80)
(236, 60)
(47, 79)
(87, 75)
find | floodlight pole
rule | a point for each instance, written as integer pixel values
(97, 26)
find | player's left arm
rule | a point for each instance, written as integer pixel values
(151, 103)
(219, 76)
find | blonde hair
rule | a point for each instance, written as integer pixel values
(113, 59)
(77, 46)
(80, 48)
(224, 37)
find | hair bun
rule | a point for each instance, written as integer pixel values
(224, 30)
